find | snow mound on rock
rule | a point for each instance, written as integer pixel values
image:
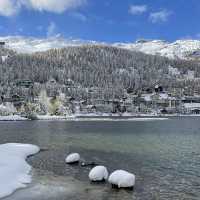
(98, 173)
(72, 158)
(14, 170)
(122, 179)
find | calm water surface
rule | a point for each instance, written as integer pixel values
(164, 155)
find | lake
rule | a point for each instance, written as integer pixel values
(164, 155)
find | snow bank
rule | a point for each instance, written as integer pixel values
(122, 179)
(12, 118)
(14, 170)
(50, 117)
(98, 173)
(72, 158)
(143, 119)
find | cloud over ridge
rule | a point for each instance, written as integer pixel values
(12, 7)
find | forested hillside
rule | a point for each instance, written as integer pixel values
(112, 70)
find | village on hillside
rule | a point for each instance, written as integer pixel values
(152, 101)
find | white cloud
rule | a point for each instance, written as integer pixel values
(9, 7)
(12, 7)
(160, 16)
(137, 9)
(51, 29)
(57, 6)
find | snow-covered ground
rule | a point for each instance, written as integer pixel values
(117, 119)
(50, 117)
(14, 170)
(99, 117)
(12, 118)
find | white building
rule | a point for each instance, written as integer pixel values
(173, 71)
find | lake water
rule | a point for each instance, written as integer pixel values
(164, 156)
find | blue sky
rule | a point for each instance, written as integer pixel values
(101, 20)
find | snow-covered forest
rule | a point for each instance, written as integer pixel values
(111, 71)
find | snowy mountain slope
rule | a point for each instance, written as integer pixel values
(180, 49)
(31, 45)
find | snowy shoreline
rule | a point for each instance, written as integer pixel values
(96, 117)
(13, 118)
(14, 170)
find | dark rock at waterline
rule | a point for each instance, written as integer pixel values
(88, 164)
(120, 188)
(73, 163)
(44, 149)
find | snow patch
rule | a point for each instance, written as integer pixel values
(118, 119)
(12, 118)
(98, 173)
(14, 170)
(50, 117)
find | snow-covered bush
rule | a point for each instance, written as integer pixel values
(7, 109)
(122, 179)
(98, 173)
(44, 101)
(52, 106)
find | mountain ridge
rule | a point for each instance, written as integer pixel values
(179, 49)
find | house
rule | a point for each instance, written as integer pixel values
(91, 108)
(191, 99)
(4, 58)
(159, 100)
(158, 88)
(16, 99)
(173, 71)
(2, 44)
(190, 75)
(24, 83)
(192, 108)
(69, 82)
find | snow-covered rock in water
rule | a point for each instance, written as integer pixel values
(14, 170)
(72, 158)
(98, 173)
(122, 179)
